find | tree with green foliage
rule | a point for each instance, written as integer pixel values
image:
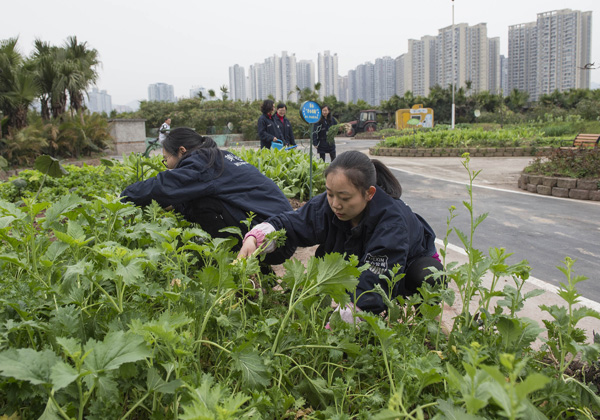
(18, 87)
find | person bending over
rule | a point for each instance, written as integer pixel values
(360, 214)
(208, 186)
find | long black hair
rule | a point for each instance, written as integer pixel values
(267, 106)
(364, 172)
(193, 143)
(329, 116)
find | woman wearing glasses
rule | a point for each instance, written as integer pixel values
(208, 186)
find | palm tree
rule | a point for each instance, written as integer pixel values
(45, 61)
(211, 94)
(224, 92)
(18, 87)
(83, 72)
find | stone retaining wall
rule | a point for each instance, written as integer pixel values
(579, 189)
(448, 151)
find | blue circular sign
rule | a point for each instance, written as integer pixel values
(310, 112)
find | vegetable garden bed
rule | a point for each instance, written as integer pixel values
(113, 311)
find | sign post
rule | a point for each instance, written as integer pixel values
(311, 113)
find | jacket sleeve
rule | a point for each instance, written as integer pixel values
(170, 188)
(292, 140)
(304, 227)
(263, 134)
(388, 246)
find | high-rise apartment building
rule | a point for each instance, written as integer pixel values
(237, 83)
(522, 57)
(288, 77)
(328, 74)
(305, 74)
(400, 75)
(343, 89)
(504, 75)
(564, 48)
(275, 77)
(463, 56)
(161, 92)
(365, 82)
(551, 53)
(420, 74)
(352, 86)
(384, 73)
(494, 66)
(99, 101)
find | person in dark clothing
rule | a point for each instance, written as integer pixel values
(320, 134)
(360, 214)
(287, 134)
(208, 186)
(268, 131)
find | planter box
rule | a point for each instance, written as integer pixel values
(542, 189)
(560, 192)
(535, 179)
(549, 181)
(566, 183)
(579, 194)
(587, 184)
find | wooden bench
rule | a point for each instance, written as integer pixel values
(584, 140)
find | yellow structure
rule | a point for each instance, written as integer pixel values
(423, 117)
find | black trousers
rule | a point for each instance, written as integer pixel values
(331, 155)
(415, 275)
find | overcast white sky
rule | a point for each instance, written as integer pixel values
(186, 43)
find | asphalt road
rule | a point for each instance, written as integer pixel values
(542, 230)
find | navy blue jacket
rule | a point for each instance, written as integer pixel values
(236, 183)
(287, 134)
(267, 129)
(320, 135)
(388, 234)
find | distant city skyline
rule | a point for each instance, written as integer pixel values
(547, 54)
(187, 44)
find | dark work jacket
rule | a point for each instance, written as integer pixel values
(240, 187)
(320, 136)
(388, 234)
(287, 134)
(267, 129)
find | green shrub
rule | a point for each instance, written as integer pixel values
(571, 163)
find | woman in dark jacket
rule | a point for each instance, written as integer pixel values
(284, 125)
(360, 214)
(320, 134)
(268, 131)
(208, 186)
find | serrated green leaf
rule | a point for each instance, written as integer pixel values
(117, 348)
(63, 205)
(251, 366)
(62, 375)
(336, 277)
(28, 365)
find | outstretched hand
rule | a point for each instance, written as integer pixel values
(248, 247)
